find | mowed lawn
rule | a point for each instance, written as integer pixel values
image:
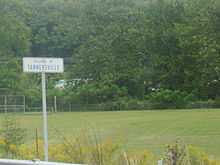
(135, 129)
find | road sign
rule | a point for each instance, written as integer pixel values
(43, 65)
(39, 65)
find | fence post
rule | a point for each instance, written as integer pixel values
(5, 103)
(55, 104)
(24, 102)
(70, 107)
(37, 145)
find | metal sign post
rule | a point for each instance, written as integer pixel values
(160, 162)
(43, 65)
(44, 105)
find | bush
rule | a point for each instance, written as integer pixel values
(98, 93)
(12, 136)
(197, 157)
(137, 158)
(127, 104)
(84, 148)
(202, 104)
(177, 154)
(181, 154)
(165, 98)
(217, 102)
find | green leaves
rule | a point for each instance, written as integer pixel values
(14, 33)
(136, 45)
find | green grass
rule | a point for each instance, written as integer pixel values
(136, 129)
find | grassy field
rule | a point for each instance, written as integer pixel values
(136, 129)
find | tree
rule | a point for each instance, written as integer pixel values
(14, 43)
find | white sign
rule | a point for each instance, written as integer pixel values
(46, 65)
(43, 65)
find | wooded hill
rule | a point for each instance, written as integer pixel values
(155, 50)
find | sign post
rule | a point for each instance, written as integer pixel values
(43, 66)
(44, 105)
(160, 162)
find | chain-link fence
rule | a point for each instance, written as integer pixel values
(58, 104)
(12, 103)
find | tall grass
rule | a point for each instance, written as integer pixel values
(87, 147)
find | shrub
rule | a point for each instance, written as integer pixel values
(137, 158)
(89, 149)
(12, 136)
(98, 93)
(165, 98)
(198, 157)
(181, 154)
(202, 104)
(217, 102)
(177, 154)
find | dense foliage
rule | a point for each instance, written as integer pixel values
(127, 49)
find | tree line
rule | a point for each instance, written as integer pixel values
(146, 50)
